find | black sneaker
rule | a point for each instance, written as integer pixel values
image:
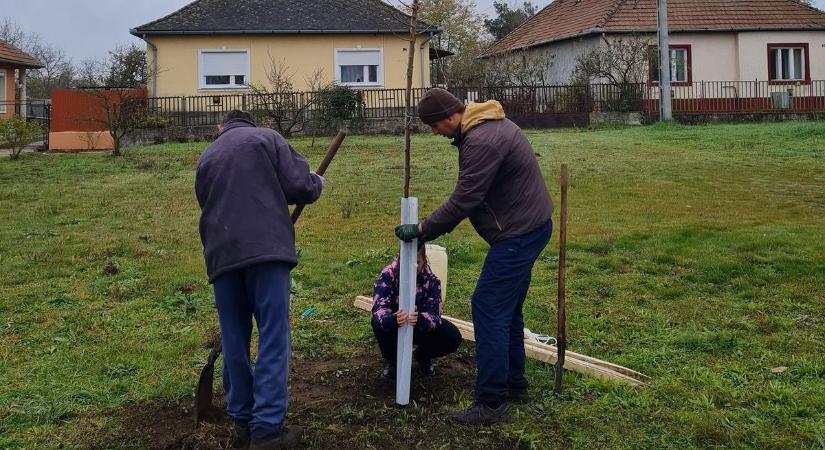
(389, 372)
(518, 395)
(480, 414)
(425, 366)
(287, 438)
(240, 435)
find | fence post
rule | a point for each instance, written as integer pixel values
(182, 110)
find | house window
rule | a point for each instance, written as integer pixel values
(2, 90)
(223, 69)
(681, 70)
(788, 62)
(359, 67)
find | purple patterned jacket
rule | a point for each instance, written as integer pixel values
(427, 299)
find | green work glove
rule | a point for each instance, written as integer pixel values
(407, 232)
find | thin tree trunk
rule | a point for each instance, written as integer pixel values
(408, 115)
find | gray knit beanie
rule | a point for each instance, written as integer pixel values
(438, 104)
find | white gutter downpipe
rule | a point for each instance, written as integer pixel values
(154, 64)
(421, 51)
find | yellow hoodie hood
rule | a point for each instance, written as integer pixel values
(475, 113)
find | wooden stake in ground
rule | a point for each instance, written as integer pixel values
(408, 257)
(561, 335)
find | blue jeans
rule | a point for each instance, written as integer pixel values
(497, 314)
(261, 291)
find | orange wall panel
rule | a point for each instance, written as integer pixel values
(77, 141)
(81, 110)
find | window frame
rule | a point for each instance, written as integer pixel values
(651, 74)
(806, 63)
(223, 87)
(380, 70)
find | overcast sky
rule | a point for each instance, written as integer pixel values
(89, 28)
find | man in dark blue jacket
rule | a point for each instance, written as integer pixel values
(245, 181)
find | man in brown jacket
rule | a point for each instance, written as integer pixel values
(501, 190)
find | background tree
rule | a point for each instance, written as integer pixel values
(90, 73)
(519, 68)
(506, 19)
(278, 105)
(57, 72)
(617, 61)
(127, 67)
(514, 79)
(120, 110)
(463, 36)
(623, 63)
(12, 34)
(114, 88)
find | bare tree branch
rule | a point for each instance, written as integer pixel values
(278, 104)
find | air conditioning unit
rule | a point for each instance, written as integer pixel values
(780, 100)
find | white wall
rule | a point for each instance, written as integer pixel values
(565, 54)
(722, 56)
(753, 52)
(744, 56)
(714, 55)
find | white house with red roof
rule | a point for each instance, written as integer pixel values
(776, 41)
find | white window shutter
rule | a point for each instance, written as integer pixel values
(359, 58)
(225, 63)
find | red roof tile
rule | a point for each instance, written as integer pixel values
(9, 54)
(564, 19)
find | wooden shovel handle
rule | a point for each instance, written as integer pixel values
(333, 149)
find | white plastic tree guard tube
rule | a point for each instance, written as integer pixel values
(406, 302)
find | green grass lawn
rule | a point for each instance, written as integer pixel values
(695, 255)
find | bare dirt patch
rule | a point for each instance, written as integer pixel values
(342, 402)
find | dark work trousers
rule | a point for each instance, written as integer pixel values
(261, 291)
(441, 341)
(497, 314)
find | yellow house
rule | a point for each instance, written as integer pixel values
(212, 47)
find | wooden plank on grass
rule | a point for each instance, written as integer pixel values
(548, 353)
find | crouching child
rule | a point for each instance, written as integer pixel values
(433, 336)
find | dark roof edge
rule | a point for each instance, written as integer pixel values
(186, 6)
(22, 64)
(139, 33)
(650, 30)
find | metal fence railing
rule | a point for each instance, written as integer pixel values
(35, 110)
(702, 97)
(30, 109)
(389, 103)
(743, 97)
